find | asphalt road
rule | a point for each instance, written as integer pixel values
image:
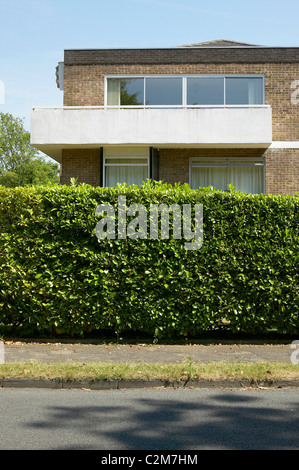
(149, 419)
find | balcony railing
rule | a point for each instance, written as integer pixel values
(160, 106)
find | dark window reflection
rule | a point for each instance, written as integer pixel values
(208, 91)
(163, 91)
(244, 91)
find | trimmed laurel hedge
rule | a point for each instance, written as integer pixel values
(57, 277)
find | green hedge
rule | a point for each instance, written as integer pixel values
(57, 277)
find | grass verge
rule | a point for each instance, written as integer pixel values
(78, 371)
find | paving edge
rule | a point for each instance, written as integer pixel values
(131, 384)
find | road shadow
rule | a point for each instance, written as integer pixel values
(217, 420)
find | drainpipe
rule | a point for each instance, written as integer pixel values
(151, 163)
(102, 167)
(158, 164)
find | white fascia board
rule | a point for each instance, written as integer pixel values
(285, 144)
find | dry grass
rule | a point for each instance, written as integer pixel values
(145, 371)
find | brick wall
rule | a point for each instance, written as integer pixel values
(282, 171)
(83, 164)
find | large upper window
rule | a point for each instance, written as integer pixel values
(185, 91)
(246, 175)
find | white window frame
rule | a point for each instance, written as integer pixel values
(184, 90)
(204, 162)
(124, 157)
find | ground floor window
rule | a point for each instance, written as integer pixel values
(246, 175)
(123, 168)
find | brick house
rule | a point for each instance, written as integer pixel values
(213, 113)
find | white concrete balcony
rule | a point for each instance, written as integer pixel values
(53, 129)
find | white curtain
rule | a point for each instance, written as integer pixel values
(255, 94)
(248, 179)
(113, 92)
(211, 176)
(126, 174)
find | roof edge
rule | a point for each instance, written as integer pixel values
(177, 47)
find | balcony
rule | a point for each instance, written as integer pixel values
(54, 129)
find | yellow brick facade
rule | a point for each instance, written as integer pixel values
(84, 85)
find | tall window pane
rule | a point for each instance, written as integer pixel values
(113, 92)
(205, 91)
(244, 90)
(163, 91)
(125, 91)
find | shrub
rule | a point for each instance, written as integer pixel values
(57, 277)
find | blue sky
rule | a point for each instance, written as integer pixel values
(34, 34)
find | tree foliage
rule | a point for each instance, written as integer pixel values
(20, 163)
